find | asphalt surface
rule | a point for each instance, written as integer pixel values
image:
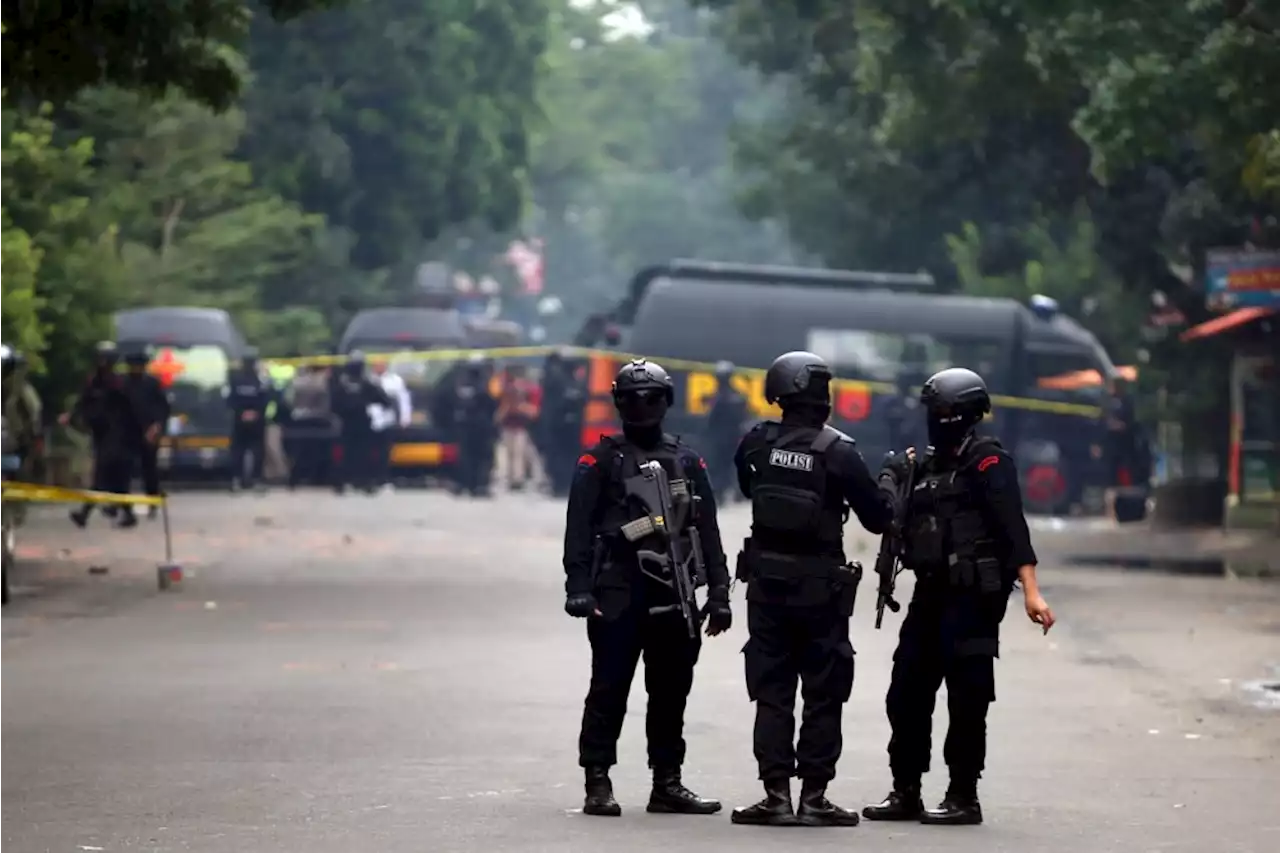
(395, 673)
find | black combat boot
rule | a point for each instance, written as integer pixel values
(816, 810)
(670, 796)
(600, 799)
(774, 810)
(903, 803)
(960, 807)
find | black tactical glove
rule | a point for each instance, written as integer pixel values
(717, 612)
(581, 605)
(894, 470)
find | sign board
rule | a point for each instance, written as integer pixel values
(1242, 278)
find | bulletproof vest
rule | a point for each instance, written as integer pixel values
(947, 535)
(790, 510)
(248, 385)
(627, 509)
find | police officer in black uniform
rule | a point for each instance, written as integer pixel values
(967, 541)
(474, 410)
(629, 600)
(151, 404)
(107, 410)
(560, 419)
(724, 427)
(353, 391)
(248, 396)
(801, 477)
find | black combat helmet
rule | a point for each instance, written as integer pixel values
(955, 401)
(642, 393)
(250, 357)
(798, 377)
(138, 356)
(106, 353)
(724, 369)
(355, 363)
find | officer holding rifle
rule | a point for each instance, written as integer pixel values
(963, 533)
(640, 535)
(802, 478)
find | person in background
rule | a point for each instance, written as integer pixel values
(387, 419)
(107, 411)
(248, 395)
(473, 409)
(311, 429)
(725, 422)
(517, 412)
(353, 391)
(560, 419)
(22, 421)
(152, 406)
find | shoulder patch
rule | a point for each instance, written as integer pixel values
(988, 462)
(586, 460)
(791, 459)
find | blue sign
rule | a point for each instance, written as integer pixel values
(1242, 278)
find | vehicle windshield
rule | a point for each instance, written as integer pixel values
(194, 378)
(892, 357)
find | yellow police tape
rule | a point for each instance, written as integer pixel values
(1002, 401)
(58, 494)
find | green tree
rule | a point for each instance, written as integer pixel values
(194, 229)
(53, 51)
(396, 119)
(64, 236)
(20, 324)
(631, 163)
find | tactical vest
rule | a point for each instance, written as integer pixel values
(622, 509)
(795, 552)
(790, 511)
(947, 536)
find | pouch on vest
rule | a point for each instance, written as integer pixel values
(925, 544)
(983, 573)
(788, 509)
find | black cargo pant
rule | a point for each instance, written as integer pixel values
(561, 454)
(475, 458)
(112, 471)
(925, 658)
(149, 465)
(807, 644)
(246, 440)
(354, 446)
(669, 657)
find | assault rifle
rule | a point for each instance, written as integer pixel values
(666, 516)
(888, 561)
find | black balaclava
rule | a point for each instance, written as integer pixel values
(642, 412)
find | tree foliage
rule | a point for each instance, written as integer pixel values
(1090, 150)
(152, 179)
(398, 118)
(53, 51)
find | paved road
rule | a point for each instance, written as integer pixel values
(395, 674)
